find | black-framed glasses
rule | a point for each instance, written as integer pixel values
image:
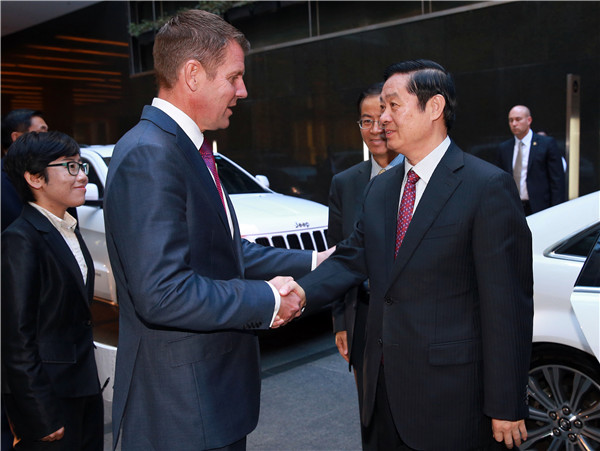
(367, 124)
(73, 167)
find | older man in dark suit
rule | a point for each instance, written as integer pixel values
(445, 245)
(190, 290)
(535, 162)
(50, 382)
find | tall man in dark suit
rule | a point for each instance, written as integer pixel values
(190, 290)
(50, 385)
(535, 162)
(345, 197)
(445, 245)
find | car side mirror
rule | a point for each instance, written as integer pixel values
(92, 195)
(263, 180)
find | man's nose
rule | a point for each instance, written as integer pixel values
(241, 92)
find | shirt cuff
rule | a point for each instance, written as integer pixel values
(277, 302)
(314, 260)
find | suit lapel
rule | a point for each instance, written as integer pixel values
(58, 246)
(532, 148)
(191, 154)
(392, 202)
(440, 188)
(89, 283)
(237, 239)
(362, 178)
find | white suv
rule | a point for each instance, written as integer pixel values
(265, 217)
(564, 377)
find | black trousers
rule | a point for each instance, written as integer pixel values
(381, 434)
(358, 350)
(84, 427)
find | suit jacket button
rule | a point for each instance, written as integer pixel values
(380, 341)
(388, 300)
(88, 323)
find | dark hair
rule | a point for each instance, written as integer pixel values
(373, 90)
(427, 79)
(32, 152)
(193, 34)
(16, 121)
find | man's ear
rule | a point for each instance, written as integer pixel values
(15, 135)
(437, 104)
(193, 74)
(35, 181)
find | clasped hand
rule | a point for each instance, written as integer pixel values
(293, 300)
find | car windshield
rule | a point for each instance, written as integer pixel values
(236, 181)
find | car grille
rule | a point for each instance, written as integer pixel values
(314, 240)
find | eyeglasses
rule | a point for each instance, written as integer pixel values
(367, 124)
(73, 167)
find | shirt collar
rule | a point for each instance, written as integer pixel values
(375, 168)
(186, 123)
(526, 139)
(67, 223)
(424, 168)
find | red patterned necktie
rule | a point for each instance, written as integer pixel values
(209, 159)
(406, 208)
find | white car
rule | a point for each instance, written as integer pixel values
(564, 378)
(265, 217)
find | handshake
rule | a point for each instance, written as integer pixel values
(293, 300)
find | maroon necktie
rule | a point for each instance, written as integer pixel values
(406, 208)
(209, 159)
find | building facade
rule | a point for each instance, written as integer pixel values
(90, 73)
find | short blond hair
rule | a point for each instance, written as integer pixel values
(197, 35)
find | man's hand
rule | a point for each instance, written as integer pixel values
(57, 435)
(341, 341)
(322, 256)
(293, 301)
(509, 432)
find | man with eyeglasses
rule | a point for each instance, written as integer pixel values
(50, 386)
(345, 198)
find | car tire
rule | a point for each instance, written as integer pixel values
(564, 400)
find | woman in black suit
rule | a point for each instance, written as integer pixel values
(50, 385)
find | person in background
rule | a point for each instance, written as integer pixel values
(345, 200)
(535, 162)
(50, 386)
(14, 124)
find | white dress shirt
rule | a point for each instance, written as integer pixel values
(424, 169)
(66, 227)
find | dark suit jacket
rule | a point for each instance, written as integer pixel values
(452, 314)
(545, 172)
(187, 370)
(10, 201)
(345, 204)
(47, 346)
